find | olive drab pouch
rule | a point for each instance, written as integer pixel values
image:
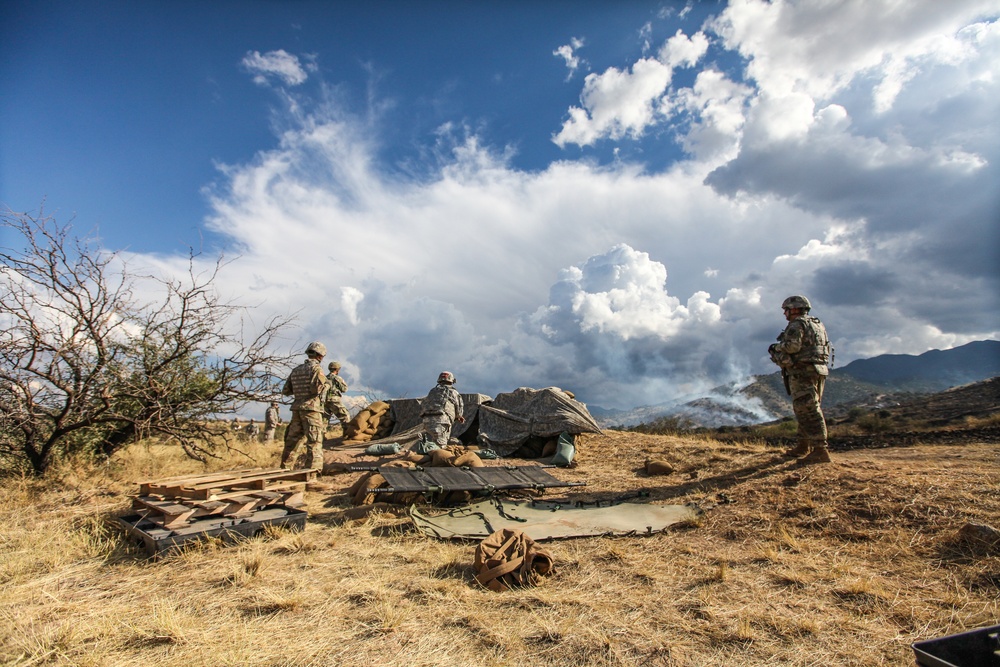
(565, 450)
(509, 559)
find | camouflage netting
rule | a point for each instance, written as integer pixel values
(514, 418)
(521, 421)
(405, 414)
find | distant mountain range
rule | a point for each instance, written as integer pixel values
(870, 383)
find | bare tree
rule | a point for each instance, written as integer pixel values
(85, 366)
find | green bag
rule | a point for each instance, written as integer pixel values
(382, 449)
(565, 450)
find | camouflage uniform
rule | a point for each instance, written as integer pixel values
(307, 384)
(333, 404)
(442, 405)
(803, 352)
(271, 420)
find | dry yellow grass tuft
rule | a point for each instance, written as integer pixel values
(842, 564)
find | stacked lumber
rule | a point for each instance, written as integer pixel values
(372, 423)
(176, 502)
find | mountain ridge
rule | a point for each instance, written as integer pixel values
(871, 383)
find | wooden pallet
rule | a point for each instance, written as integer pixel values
(175, 502)
(159, 541)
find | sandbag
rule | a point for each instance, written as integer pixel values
(565, 450)
(440, 457)
(658, 467)
(365, 494)
(467, 460)
(509, 559)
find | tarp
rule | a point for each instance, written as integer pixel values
(510, 419)
(502, 424)
(542, 520)
(405, 413)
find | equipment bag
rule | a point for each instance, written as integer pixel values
(509, 559)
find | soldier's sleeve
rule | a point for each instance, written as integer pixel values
(791, 340)
(287, 389)
(319, 383)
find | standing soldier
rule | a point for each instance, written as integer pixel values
(334, 405)
(441, 408)
(252, 430)
(271, 420)
(803, 352)
(306, 384)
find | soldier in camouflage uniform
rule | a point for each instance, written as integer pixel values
(803, 352)
(307, 385)
(272, 417)
(441, 408)
(252, 430)
(333, 406)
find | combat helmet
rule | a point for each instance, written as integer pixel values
(316, 347)
(334, 366)
(446, 377)
(796, 301)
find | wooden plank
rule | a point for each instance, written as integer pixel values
(297, 499)
(257, 477)
(222, 478)
(221, 488)
(178, 481)
(221, 494)
(175, 515)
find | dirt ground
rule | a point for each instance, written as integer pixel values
(846, 563)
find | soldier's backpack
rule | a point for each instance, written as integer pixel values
(436, 402)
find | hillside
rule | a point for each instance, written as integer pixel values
(932, 371)
(842, 564)
(864, 383)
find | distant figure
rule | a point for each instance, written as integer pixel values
(236, 425)
(306, 384)
(803, 352)
(252, 430)
(334, 406)
(271, 420)
(441, 408)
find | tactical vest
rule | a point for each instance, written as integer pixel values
(815, 343)
(307, 385)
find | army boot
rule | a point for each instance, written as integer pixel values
(819, 454)
(801, 449)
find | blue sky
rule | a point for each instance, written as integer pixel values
(609, 197)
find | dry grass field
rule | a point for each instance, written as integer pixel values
(842, 564)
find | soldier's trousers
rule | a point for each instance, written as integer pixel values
(309, 426)
(438, 429)
(807, 393)
(339, 411)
